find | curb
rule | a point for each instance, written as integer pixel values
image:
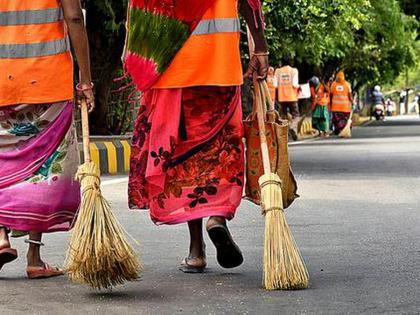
(113, 156)
(112, 153)
(305, 129)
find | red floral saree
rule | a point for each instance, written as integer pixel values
(187, 154)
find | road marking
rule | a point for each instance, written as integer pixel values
(115, 181)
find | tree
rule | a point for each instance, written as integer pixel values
(385, 45)
(373, 40)
(106, 30)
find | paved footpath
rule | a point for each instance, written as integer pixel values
(357, 224)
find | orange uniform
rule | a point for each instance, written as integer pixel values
(340, 100)
(321, 96)
(211, 55)
(287, 80)
(35, 61)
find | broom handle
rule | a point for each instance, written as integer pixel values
(85, 131)
(261, 127)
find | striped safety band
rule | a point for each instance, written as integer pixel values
(28, 17)
(214, 26)
(55, 47)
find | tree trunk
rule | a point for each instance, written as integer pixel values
(106, 31)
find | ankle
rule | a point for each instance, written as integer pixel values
(197, 250)
(34, 257)
(215, 220)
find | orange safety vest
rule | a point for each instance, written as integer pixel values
(211, 55)
(286, 91)
(340, 97)
(35, 61)
(271, 86)
(321, 96)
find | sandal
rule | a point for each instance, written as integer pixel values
(188, 268)
(228, 253)
(43, 272)
(7, 255)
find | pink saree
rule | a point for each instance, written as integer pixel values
(187, 154)
(38, 160)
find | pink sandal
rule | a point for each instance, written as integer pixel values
(7, 255)
(43, 272)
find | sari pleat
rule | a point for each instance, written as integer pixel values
(187, 154)
(39, 146)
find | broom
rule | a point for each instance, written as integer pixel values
(284, 267)
(99, 254)
(346, 132)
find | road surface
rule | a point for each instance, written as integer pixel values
(357, 223)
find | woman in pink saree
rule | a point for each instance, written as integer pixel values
(187, 151)
(38, 146)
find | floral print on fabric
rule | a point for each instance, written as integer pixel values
(207, 178)
(47, 200)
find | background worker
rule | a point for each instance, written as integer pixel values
(287, 93)
(320, 102)
(341, 102)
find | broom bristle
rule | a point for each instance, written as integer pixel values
(99, 254)
(284, 267)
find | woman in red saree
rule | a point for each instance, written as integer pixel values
(187, 152)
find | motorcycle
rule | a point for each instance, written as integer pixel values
(379, 112)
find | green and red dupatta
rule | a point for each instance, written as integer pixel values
(157, 30)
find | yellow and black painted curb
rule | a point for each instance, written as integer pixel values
(306, 127)
(113, 156)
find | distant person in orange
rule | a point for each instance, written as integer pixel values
(287, 93)
(341, 102)
(320, 102)
(272, 83)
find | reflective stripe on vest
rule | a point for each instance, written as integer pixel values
(54, 47)
(340, 99)
(33, 46)
(227, 25)
(211, 55)
(30, 17)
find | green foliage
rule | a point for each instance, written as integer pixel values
(313, 31)
(373, 40)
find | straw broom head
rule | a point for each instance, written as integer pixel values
(346, 132)
(99, 254)
(284, 267)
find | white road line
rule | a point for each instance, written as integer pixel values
(115, 181)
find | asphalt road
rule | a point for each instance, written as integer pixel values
(357, 223)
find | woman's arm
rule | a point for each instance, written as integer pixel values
(251, 11)
(73, 16)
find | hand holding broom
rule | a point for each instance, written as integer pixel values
(99, 254)
(284, 267)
